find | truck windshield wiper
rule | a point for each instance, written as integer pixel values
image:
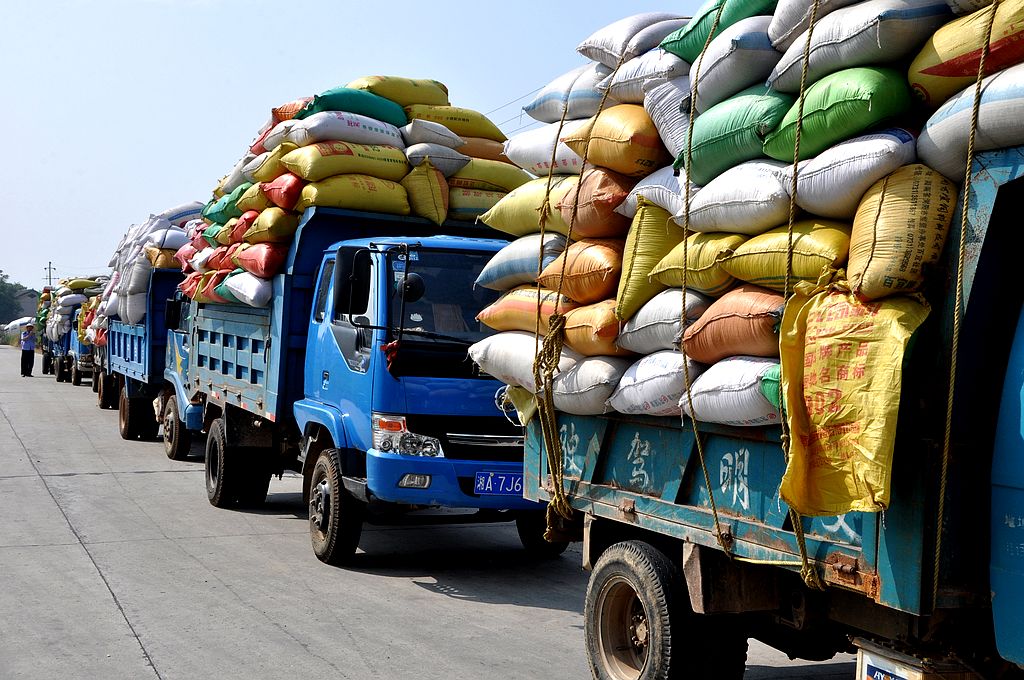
(437, 336)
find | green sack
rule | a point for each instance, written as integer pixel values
(210, 234)
(687, 42)
(840, 106)
(355, 101)
(733, 131)
(222, 288)
(769, 385)
(224, 209)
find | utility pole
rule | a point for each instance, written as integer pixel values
(49, 269)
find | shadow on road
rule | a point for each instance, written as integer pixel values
(819, 671)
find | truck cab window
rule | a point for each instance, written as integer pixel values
(322, 288)
(353, 284)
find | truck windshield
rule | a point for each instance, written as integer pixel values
(442, 302)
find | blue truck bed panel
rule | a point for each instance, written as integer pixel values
(138, 351)
(229, 358)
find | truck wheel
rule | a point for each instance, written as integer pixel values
(177, 439)
(94, 382)
(135, 419)
(335, 517)
(47, 363)
(222, 470)
(104, 390)
(531, 525)
(76, 375)
(58, 368)
(637, 617)
(256, 484)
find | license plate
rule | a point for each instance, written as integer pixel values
(499, 483)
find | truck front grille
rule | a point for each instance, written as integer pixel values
(485, 438)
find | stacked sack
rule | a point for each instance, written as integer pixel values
(380, 144)
(57, 306)
(43, 309)
(869, 216)
(143, 248)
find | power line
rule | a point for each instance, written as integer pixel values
(523, 127)
(515, 100)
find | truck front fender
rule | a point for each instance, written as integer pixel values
(311, 413)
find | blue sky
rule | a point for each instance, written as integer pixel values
(115, 109)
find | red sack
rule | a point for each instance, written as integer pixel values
(190, 285)
(263, 259)
(257, 146)
(242, 225)
(184, 254)
(212, 281)
(289, 110)
(219, 259)
(101, 337)
(284, 191)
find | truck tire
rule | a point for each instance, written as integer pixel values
(222, 468)
(94, 382)
(106, 392)
(531, 524)
(135, 419)
(255, 482)
(59, 369)
(177, 439)
(47, 363)
(639, 625)
(335, 516)
(76, 375)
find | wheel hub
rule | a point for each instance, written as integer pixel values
(638, 632)
(320, 505)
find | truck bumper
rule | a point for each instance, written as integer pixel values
(451, 481)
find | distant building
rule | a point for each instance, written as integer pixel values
(27, 300)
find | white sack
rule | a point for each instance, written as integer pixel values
(508, 357)
(667, 102)
(792, 17)
(170, 239)
(629, 37)
(420, 131)
(113, 305)
(235, 178)
(584, 388)
(832, 183)
(250, 289)
(181, 214)
(729, 393)
(942, 145)
(134, 308)
(872, 32)
(199, 260)
(738, 57)
(663, 188)
(575, 90)
(279, 134)
(654, 385)
(749, 198)
(138, 279)
(516, 264)
(447, 160)
(627, 84)
(658, 324)
(346, 127)
(531, 150)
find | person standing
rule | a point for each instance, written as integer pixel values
(28, 350)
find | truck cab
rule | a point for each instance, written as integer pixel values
(395, 413)
(80, 354)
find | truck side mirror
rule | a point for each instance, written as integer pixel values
(172, 313)
(411, 287)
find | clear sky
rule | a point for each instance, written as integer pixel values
(116, 109)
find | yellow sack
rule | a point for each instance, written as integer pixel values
(404, 91)
(842, 365)
(326, 159)
(271, 168)
(949, 60)
(161, 258)
(519, 212)
(272, 226)
(622, 138)
(469, 204)
(899, 229)
(463, 122)
(428, 192)
(651, 237)
(253, 199)
(704, 269)
(818, 245)
(224, 235)
(238, 251)
(516, 310)
(356, 192)
(489, 176)
(79, 284)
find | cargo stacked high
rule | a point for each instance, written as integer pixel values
(328, 303)
(706, 315)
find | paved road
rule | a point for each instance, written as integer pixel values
(113, 565)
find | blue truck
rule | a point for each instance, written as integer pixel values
(79, 356)
(357, 377)
(669, 597)
(131, 367)
(57, 354)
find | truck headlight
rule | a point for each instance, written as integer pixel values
(391, 435)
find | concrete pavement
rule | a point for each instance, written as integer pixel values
(114, 565)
